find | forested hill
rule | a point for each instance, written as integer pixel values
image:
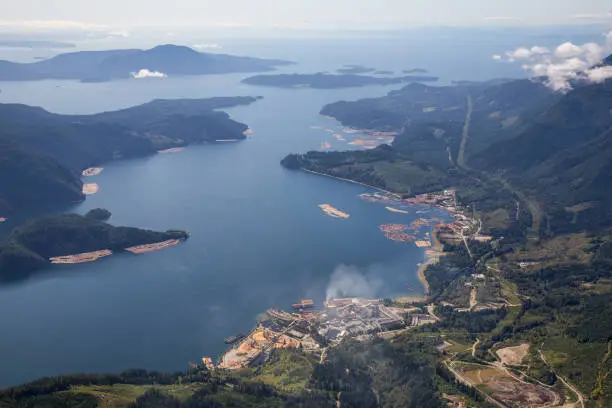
(556, 147)
(30, 245)
(43, 153)
(534, 167)
(115, 64)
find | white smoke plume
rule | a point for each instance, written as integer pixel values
(566, 63)
(145, 73)
(349, 281)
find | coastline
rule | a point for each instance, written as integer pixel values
(432, 254)
(350, 181)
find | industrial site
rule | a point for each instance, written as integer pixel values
(314, 330)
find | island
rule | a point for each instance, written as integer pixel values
(73, 238)
(384, 72)
(43, 155)
(162, 60)
(354, 69)
(415, 71)
(329, 81)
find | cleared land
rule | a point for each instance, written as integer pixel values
(513, 355)
(503, 387)
(141, 249)
(80, 258)
(90, 188)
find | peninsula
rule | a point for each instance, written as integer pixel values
(72, 238)
(38, 168)
(329, 81)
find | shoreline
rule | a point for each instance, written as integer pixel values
(432, 256)
(436, 247)
(350, 181)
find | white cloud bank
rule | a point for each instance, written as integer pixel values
(566, 63)
(145, 73)
(38, 25)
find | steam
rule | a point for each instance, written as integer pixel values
(145, 73)
(348, 281)
(566, 63)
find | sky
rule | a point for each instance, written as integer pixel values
(31, 15)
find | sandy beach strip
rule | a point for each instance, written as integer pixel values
(142, 249)
(90, 188)
(226, 140)
(172, 150)
(432, 256)
(92, 171)
(2, 219)
(249, 131)
(80, 258)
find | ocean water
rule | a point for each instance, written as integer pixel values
(258, 239)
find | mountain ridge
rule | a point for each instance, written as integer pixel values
(121, 63)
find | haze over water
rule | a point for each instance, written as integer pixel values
(258, 239)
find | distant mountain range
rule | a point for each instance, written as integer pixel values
(116, 64)
(42, 153)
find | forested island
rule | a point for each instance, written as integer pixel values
(42, 154)
(329, 81)
(100, 66)
(31, 245)
(354, 69)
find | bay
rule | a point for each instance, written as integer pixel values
(258, 239)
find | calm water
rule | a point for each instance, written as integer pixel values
(258, 239)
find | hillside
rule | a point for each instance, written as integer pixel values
(48, 151)
(564, 159)
(115, 64)
(31, 245)
(27, 177)
(534, 168)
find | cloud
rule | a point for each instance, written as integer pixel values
(523, 53)
(145, 73)
(539, 50)
(211, 46)
(42, 25)
(568, 50)
(600, 74)
(568, 62)
(593, 17)
(349, 281)
(497, 57)
(502, 18)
